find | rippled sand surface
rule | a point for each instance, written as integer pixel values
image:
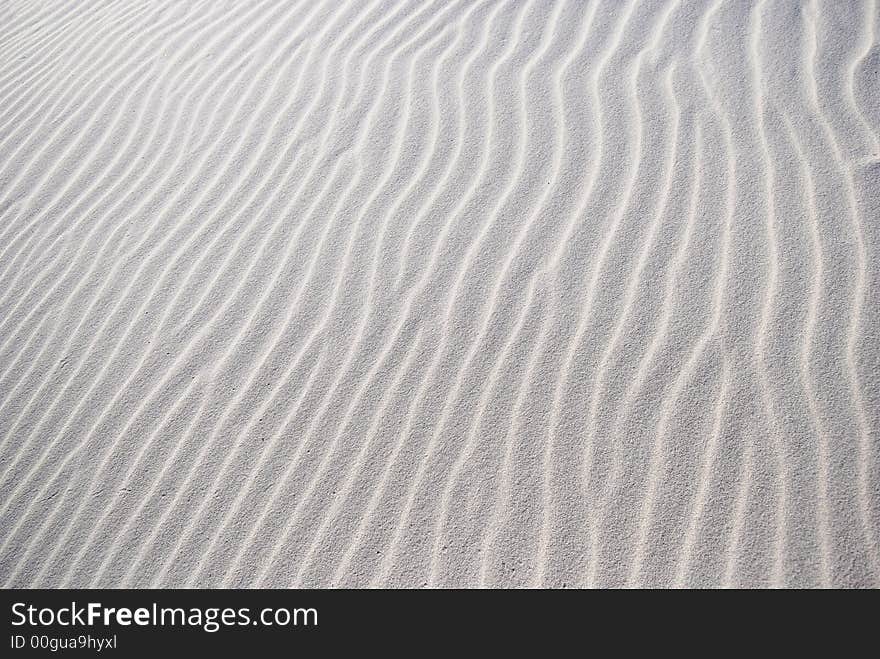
(484, 292)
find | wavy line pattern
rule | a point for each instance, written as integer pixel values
(471, 293)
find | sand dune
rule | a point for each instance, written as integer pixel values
(465, 293)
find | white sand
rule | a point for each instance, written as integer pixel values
(493, 292)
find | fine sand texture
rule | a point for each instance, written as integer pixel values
(506, 293)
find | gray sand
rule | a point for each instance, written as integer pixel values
(491, 292)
